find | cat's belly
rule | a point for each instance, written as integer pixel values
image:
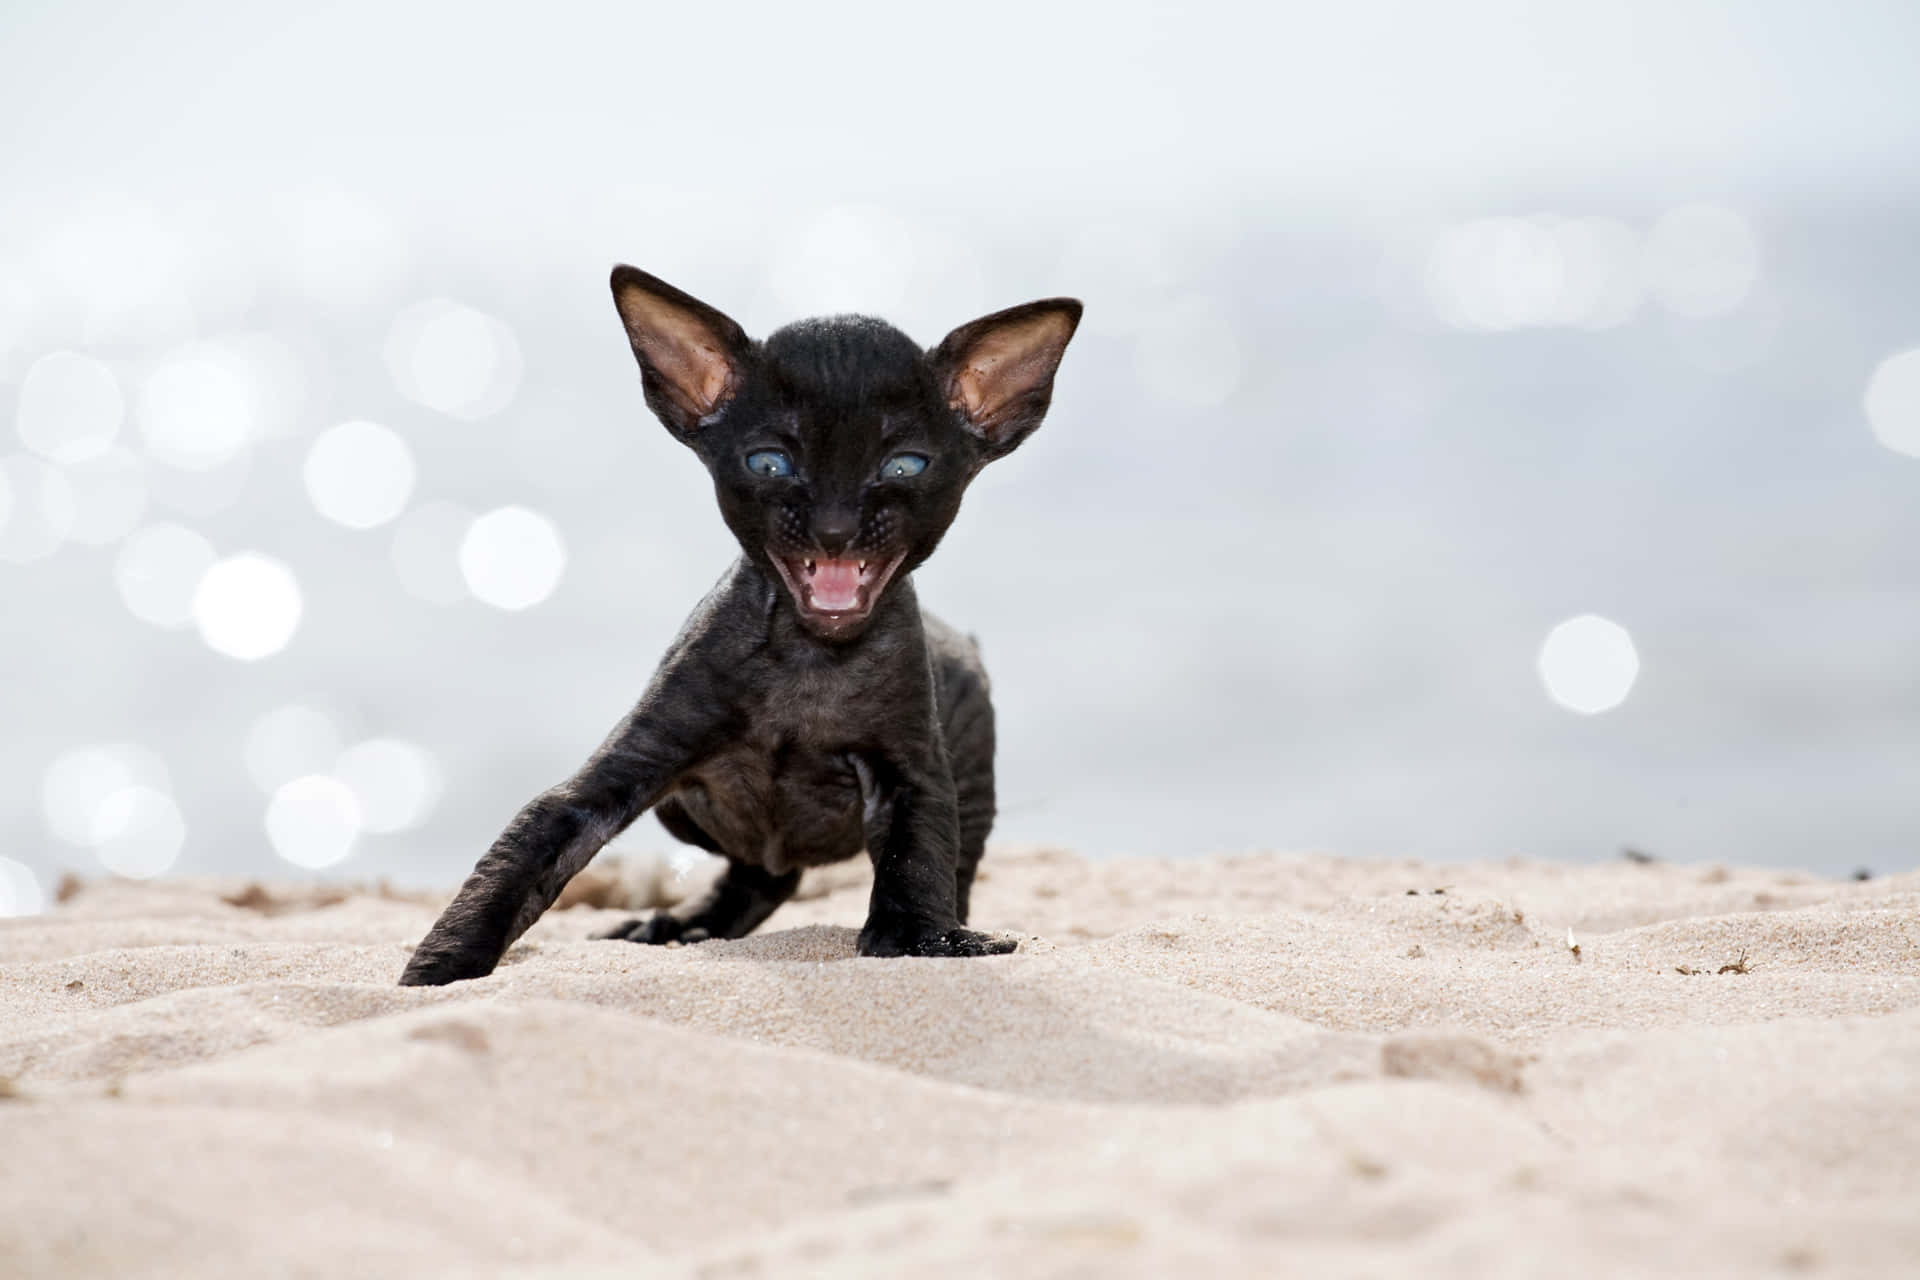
(776, 810)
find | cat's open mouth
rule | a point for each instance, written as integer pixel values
(836, 593)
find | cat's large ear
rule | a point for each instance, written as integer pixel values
(998, 371)
(691, 356)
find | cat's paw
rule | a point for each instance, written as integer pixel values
(655, 930)
(435, 967)
(912, 938)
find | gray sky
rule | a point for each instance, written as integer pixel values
(499, 116)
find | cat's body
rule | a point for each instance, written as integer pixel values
(789, 792)
(803, 782)
(809, 709)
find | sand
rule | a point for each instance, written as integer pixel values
(1227, 1066)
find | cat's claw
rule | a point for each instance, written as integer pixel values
(654, 930)
(890, 939)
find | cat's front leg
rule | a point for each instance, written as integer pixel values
(545, 845)
(913, 835)
(558, 833)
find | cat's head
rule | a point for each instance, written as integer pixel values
(839, 449)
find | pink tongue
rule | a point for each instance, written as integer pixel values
(835, 584)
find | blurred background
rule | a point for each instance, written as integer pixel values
(1495, 428)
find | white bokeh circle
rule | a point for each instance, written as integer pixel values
(38, 511)
(512, 558)
(70, 407)
(20, 893)
(157, 571)
(78, 782)
(109, 497)
(1892, 402)
(359, 474)
(313, 821)
(397, 783)
(1499, 274)
(138, 832)
(1702, 260)
(1589, 664)
(198, 406)
(453, 359)
(290, 742)
(247, 606)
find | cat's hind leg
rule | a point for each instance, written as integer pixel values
(739, 902)
(966, 723)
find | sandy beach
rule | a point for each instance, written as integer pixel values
(1225, 1066)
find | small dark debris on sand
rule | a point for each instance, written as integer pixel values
(1735, 966)
(257, 897)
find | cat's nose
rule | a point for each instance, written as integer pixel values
(834, 527)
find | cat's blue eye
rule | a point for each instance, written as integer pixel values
(771, 463)
(903, 466)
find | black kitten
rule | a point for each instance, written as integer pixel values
(808, 709)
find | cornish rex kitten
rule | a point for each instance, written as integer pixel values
(808, 709)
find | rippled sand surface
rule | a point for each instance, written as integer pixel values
(1225, 1066)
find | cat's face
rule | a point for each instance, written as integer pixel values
(839, 450)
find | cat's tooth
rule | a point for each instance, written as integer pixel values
(809, 566)
(863, 566)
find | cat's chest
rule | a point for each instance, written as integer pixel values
(777, 799)
(787, 790)
(818, 710)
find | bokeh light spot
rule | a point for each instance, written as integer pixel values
(512, 558)
(138, 832)
(79, 782)
(1603, 274)
(120, 270)
(396, 783)
(247, 606)
(1702, 260)
(1498, 274)
(109, 497)
(20, 893)
(453, 359)
(1589, 664)
(197, 406)
(70, 407)
(313, 821)
(38, 512)
(290, 742)
(1893, 403)
(426, 552)
(359, 474)
(157, 572)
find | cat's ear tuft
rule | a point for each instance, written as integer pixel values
(691, 356)
(997, 372)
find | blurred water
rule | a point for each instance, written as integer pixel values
(1334, 453)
